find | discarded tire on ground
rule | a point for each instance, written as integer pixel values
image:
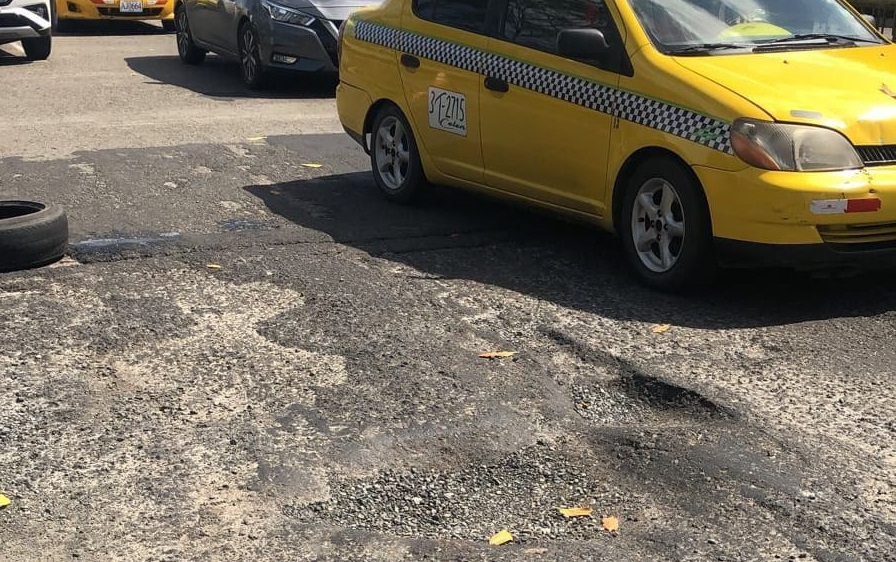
(31, 234)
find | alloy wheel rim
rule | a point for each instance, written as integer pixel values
(658, 225)
(393, 153)
(183, 37)
(250, 46)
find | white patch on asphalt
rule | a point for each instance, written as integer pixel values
(239, 151)
(260, 179)
(231, 206)
(84, 168)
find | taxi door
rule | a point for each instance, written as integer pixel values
(440, 58)
(547, 120)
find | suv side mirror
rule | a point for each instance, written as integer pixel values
(584, 44)
(870, 19)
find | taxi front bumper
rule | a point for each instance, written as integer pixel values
(804, 220)
(100, 10)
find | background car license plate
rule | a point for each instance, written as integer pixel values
(131, 7)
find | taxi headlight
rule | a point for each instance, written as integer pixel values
(796, 148)
(287, 15)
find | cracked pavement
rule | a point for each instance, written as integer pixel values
(319, 395)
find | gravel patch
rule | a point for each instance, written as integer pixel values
(521, 492)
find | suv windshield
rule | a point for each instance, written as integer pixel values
(696, 27)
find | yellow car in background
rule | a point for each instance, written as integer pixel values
(80, 10)
(702, 132)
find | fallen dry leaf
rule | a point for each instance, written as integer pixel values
(497, 354)
(661, 329)
(312, 165)
(213, 266)
(501, 537)
(575, 511)
(610, 523)
(4, 501)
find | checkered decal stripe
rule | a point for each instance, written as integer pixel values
(445, 52)
(632, 107)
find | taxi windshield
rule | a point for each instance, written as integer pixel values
(697, 27)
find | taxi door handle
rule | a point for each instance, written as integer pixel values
(410, 61)
(496, 84)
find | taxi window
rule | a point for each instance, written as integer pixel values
(468, 15)
(537, 24)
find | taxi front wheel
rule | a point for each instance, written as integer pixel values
(665, 227)
(394, 157)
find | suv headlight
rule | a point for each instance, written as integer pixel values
(796, 148)
(287, 15)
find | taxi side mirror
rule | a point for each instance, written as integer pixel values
(870, 19)
(583, 44)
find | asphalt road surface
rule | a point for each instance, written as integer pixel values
(318, 393)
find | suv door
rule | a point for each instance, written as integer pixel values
(546, 119)
(441, 55)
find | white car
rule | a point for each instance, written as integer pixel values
(27, 21)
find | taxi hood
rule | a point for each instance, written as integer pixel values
(849, 89)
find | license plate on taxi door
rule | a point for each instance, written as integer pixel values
(131, 7)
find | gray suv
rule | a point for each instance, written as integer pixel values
(263, 35)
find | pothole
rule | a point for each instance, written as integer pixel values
(664, 395)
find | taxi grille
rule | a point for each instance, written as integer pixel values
(118, 13)
(859, 237)
(878, 155)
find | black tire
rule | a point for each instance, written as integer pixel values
(413, 180)
(54, 16)
(188, 52)
(169, 25)
(37, 48)
(31, 234)
(694, 262)
(251, 68)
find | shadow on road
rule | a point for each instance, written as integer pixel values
(106, 28)
(220, 78)
(458, 235)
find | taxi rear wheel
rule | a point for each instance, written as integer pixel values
(395, 158)
(665, 227)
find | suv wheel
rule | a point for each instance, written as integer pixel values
(37, 48)
(186, 49)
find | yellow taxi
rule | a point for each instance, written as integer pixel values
(68, 10)
(702, 132)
